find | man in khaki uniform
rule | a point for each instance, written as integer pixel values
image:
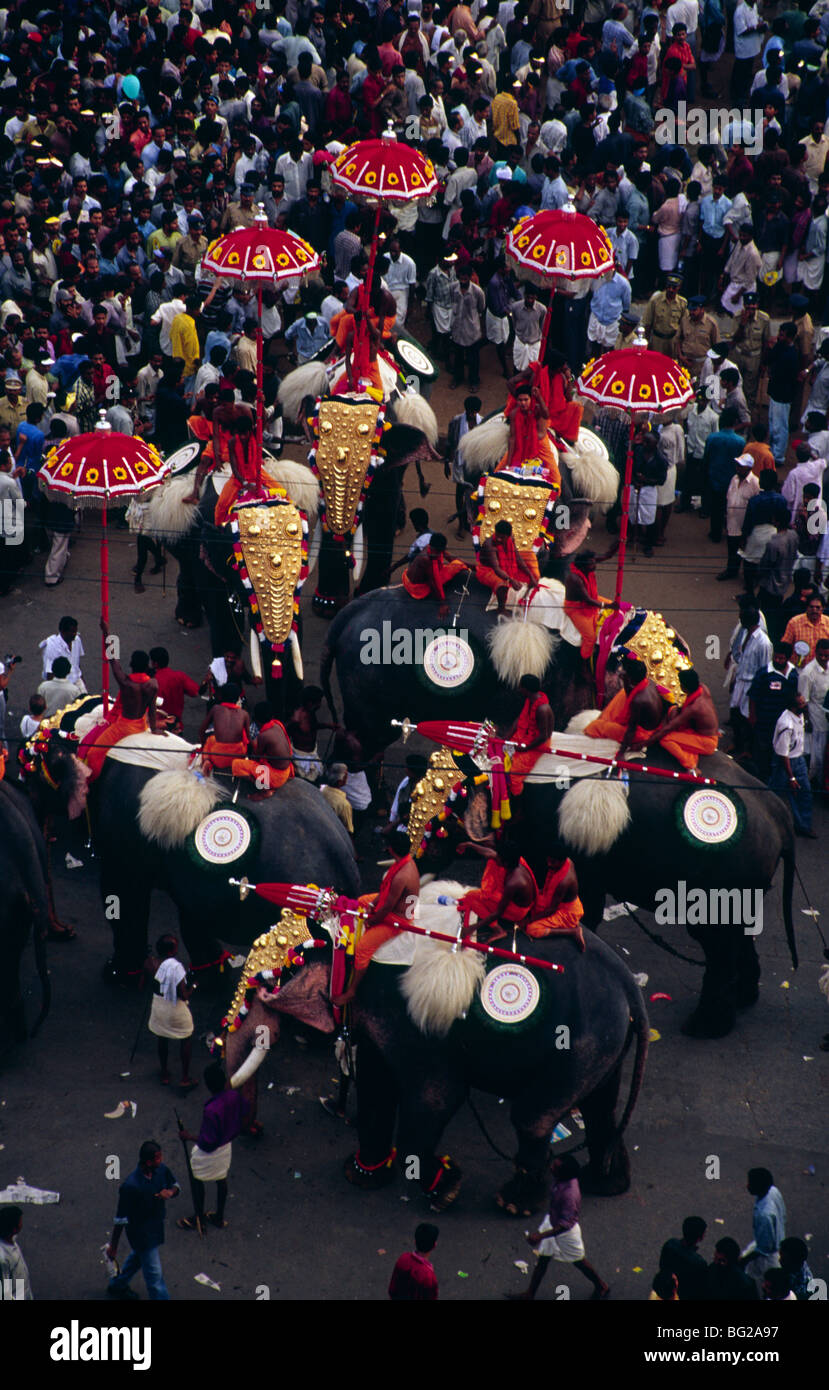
(750, 343)
(241, 214)
(662, 317)
(805, 343)
(190, 250)
(12, 406)
(697, 333)
(628, 324)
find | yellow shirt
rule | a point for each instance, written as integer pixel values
(505, 123)
(184, 342)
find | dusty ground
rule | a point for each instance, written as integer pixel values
(757, 1097)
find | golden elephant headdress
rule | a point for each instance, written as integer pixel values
(348, 431)
(270, 548)
(268, 957)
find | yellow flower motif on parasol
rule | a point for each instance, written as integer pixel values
(351, 170)
(668, 388)
(371, 177)
(644, 392)
(430, 169)
(618, 388)
(597, 379)
(523, 242)
(140, 468)
(119, 474)
(233, 258)
(67, 470)
(415, 179)
(602, 253)
(283, 259)
(92, 476)
(562, 256)
(393, 180)
(539, 252)
(586, 258)
(259, 262)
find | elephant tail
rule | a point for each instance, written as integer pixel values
(789, 870)
(639, 1026)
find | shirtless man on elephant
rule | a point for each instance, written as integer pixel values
(507, 895)
(634, 712)
(692, 731)
(397, 897)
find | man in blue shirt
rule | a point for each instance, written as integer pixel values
(718, 467)
(29, 451)
(610, 299)
(713, 235)
(769, 1224)
(308, 335)
(141, 1209)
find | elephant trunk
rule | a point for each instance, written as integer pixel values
(789, 866)
(638, 1024)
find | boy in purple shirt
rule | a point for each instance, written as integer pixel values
(559, 1235)
(210, 1158)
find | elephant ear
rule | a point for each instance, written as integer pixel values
(305, 997)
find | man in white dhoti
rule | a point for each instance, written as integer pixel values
(170, 1016)
(401, 277)
(213, 1145)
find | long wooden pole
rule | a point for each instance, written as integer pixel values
(623, 522)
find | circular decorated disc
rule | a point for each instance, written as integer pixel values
(711, 817)
(222, 837)
(448, 661)
(510, 993)
(183, 457)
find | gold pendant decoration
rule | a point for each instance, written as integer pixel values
(266, 960)
(527, 506)
(655, 644)
(439, 785)
(344, 459)
(270, 547)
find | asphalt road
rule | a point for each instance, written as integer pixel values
(755, 1098)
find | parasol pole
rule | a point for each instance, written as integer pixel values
(623, 521)
(548, 318)
(104, 604)
(365, 293)
(260, 387)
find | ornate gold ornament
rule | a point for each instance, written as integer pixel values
(429, 796)
(523, 505)
(346, 431)
(271, 541)
(269, 952)
(654, 644)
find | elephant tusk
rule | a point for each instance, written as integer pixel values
(249, 1067)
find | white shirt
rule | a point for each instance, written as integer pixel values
(54, 646)
(746, 45)
(813, 683)
(295, 174)
(683, 12)
(401, 274)
(358, 791)
(164, 315)
(753, 657)
(789, 735)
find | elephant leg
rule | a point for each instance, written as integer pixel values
(127, 906)
(425, 1110)
(534, 1120)
(372, 1165)
(747, 983)
(715, 1014)
(607, 1172)
(12, 1011)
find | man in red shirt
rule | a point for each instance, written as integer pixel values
(172, 686)
(413, 1278)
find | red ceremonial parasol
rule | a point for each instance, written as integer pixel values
(100, 469)
(267, 256)
(643, 383)
(556, 245)
(383, 171)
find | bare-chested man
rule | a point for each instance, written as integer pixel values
(501, 567)
(303, 727)
(397, 898)
(693, 730)
(231, 730)
(270, 763)
(430, 571)
(135, 712)
(635, 710)
(507, 895)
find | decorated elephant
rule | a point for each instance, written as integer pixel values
(431, 1023)
(25, 909)
(176, 831)
(700, 852)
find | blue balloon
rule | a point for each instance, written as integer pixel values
(131, 88)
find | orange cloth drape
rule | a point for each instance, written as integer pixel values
(375, 937)
(104, 736)
(688, 747)
(253, 767)
(566, 917)
(442, 572)
(483, 901)
(221, 755)
(614, 718)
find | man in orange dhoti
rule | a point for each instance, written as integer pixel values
(583, 603)
(507, 894)
(692, 731)
(430, 570)
(528, 413)
(501, 567)
(533, 729)
(559, 907)
(270, 763)
(634, 712)
(133, 713)
(231, 731)
(397, 898)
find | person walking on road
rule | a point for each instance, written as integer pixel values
(142, 1211)
(559, 1235)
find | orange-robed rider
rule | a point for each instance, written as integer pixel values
(133, 713)
(583, 603)
(501, 567)
(431, 570)
(559, 907)
(533, 730)
(397, 898)
(635, 710)
(692, 731)
(508, 891)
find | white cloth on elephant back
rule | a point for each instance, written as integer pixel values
(212, 1167)
(552, 766)
(567, 1247)
(163, 752)
(170, 1020)
(545, 607)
